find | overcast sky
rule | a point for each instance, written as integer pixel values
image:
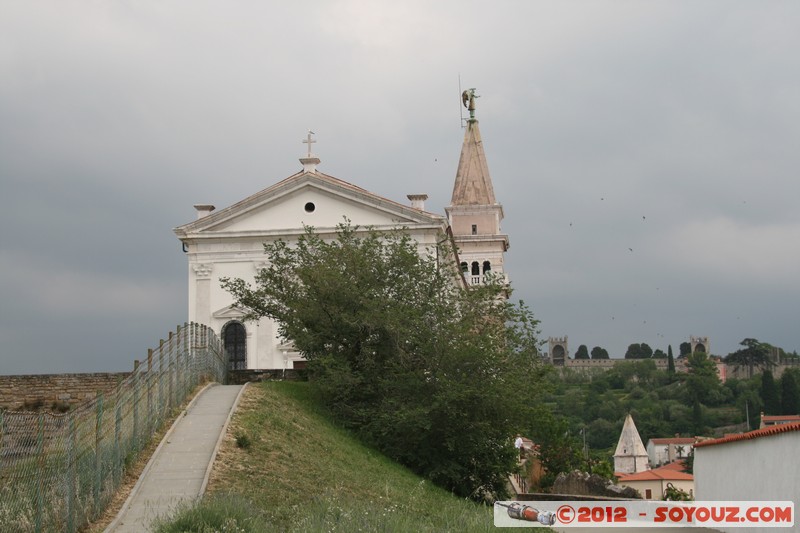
(646, 154)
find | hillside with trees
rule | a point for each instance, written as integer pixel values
(664, 403)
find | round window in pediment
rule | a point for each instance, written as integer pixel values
(310, 207)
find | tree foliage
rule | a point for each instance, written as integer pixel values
(582, 353)
(639, 351)
(427, 371)
(685, 349)
(755, 354)
(770, 394)
(599, 353)
(790, 395)
(670, 363)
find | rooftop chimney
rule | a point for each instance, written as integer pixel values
(203, 209)
(418, 201)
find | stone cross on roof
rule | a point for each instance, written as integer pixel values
(311, 161)
(309, 141)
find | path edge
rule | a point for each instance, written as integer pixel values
(135, 490)
(221, 438)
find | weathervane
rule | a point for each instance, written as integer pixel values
(468, 98)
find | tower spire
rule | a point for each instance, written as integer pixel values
(473, 185)
(474, 214)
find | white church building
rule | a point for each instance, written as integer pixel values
(229, 242)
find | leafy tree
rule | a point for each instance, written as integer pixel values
(559, 450)
(658, 353)
(790, 396)
(688, 463)
(639, 351)
(582, 352)
(769, 394)
(685, 349)
(754, 354)
(425, 370)
(702, 379)
(599, 353)
(646, 351)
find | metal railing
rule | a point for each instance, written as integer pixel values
(58, 472)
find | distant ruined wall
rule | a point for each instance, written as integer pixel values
(46, 389)
(600, 365)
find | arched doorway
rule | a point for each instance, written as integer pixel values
(234, 339)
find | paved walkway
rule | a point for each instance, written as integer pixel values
(178, 470)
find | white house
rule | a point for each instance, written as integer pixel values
(760, 465)
(229, 242)
(652, 484)
(662, 451)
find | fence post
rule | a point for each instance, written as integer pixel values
(179, 375)
(117, 427)
(171, 372)
(161, 402)
(40, 474)
(135, 383)
(71, 475)
(150, 426)
(98, 460)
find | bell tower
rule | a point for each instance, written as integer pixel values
(474, 214)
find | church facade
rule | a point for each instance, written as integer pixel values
(229, 242)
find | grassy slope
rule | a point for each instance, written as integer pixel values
(306, 474)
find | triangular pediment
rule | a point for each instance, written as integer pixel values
(230, 311)
(311, 199)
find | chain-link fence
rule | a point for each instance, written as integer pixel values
(59, 472)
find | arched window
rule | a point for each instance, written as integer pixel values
(464, 266)
(234, 339)
(487, 266)
(476, 269)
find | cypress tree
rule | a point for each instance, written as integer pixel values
(769, 394)
(670, 363)
(790, 396)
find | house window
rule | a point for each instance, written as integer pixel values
(464, 266)
(234, 339)
(648, 494)
(476, 269)
(474, 229)
(487, 266)
(310, 207)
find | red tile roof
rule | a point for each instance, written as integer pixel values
(667, 474)
(677, 465)
(674, 440)
(780, 418)
(758, 433)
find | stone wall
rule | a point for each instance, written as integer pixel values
(240, 377)
(50, 391)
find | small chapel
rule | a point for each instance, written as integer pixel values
(229, 242)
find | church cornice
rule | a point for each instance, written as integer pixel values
(406, 215)
(227, 236)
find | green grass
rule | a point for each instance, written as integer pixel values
(300, 472)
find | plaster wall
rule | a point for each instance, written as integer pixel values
(761, 469)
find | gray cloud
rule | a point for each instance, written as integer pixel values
(116, 118)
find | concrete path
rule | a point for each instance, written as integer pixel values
(178, 471)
